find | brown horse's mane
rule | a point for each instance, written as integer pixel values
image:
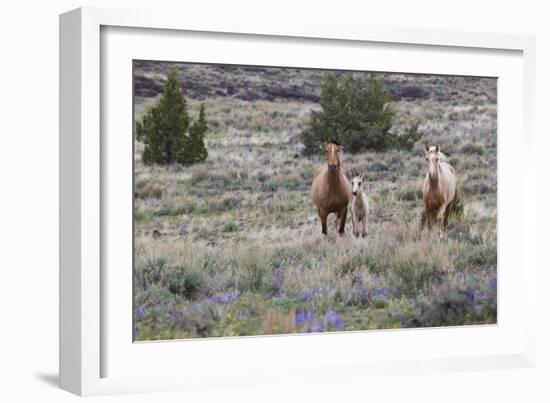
(331, 140)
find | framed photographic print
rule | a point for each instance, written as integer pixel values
(241, 202)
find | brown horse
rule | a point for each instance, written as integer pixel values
(330, 189)
(440, 189)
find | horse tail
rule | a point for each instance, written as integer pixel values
(457, 206)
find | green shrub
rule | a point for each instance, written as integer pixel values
(472, 148)
(411, 195)
(167, 132)
(148, 191)
(416, 273)
(184, 282)
(356, 112)
(475, 256)
(230, 227)
(251, 273)
(150, 273)
(203, 233)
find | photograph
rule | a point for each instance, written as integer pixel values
(274, 200)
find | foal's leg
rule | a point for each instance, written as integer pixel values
(343, 214)
(354, 224)
(364, 226)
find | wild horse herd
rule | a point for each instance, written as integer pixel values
(333, 192)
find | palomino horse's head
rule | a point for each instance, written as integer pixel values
(432, 157)
(356, 184)
(332, 150)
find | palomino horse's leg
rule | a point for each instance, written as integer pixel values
(441, 211)
(446, 218)
(441, 218)
(429, 221)
(343, 214)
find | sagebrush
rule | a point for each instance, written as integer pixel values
(232, 246)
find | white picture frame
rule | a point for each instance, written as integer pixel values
(85, 299)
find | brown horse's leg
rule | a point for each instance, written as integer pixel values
(343, 214)
(336, 220)
(323, 216)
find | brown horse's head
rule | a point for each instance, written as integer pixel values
(432, 157)
(332, 150)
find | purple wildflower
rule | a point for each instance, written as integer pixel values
(317, 326)
(333, 319)
(306, 320)
(139, 311)
(470, 293)
(492, 284)
(381, 292)
(224, 298)
(279, 278)
(303, 317)
(307, 296)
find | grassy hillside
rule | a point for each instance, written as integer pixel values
(250, 83)
(233, 246)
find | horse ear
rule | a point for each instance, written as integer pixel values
(426, 147)
(437, 148)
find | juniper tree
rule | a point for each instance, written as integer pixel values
(197, 152)
(167, 132)
(357, 112)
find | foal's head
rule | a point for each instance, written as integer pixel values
(332, 150)
(432, 157)
(357, 184)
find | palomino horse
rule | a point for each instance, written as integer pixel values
(440, 189)
(330, 189)
(359, 206)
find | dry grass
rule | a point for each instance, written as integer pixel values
(240, 249)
